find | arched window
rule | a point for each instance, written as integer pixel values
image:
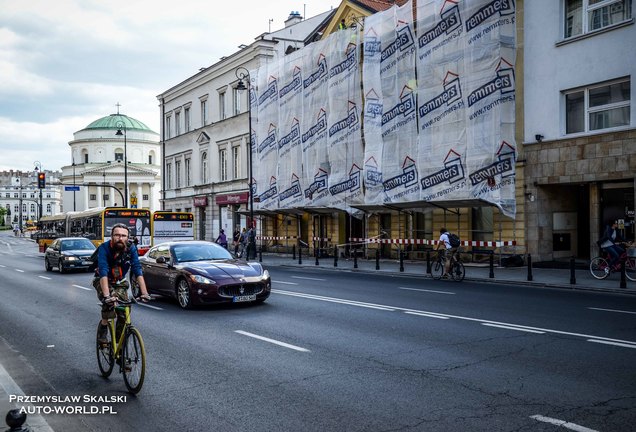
(204, 167)
(119, 154)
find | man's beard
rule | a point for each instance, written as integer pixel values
(119, 246)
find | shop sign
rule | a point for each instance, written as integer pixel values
(201, 201)
(235, 198)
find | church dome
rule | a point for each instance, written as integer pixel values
(115, 121)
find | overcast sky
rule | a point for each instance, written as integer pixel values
(66, 63)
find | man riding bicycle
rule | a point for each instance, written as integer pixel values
(447, 252)
(114, 259)
(610, 242)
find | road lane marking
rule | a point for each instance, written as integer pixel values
(562, 423)
(3, 266)
(149, 306)
(624, 345)
(308, 278)
(628, 343)
(285, 283)
(84, 288)
(426, 315)
(512, 328)
(18, 270)
(45, 277)
(425, 290)
(612, 310)
(273, 341)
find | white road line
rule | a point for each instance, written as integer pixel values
(285, 283)
(335, 300)
(308, 278)
(425, 290)
(426, 315)
(624, 345)
(3, 266)
(45, 277)
(84, 288)
(275, 342)
(512, 328)
(612, 310)
(149, 306)
(18, 270)
(562, 423)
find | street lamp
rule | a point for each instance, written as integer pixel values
(38, 169)
(73, 184)
(121, 125)
(243, 74)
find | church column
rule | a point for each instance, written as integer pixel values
(139, 195)
(86, 196)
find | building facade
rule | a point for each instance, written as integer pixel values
(21, 199)
(97, 176)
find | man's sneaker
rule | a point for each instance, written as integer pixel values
(102, 334)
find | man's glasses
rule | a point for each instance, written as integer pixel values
(120, 235)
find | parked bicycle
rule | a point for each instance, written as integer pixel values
(456, 269)
(600, 267)
(127, 351)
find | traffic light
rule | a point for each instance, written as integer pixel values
(41, 180)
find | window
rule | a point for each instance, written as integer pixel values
(93, 197)
(177, 173)
(598, 107)
(85, 157)
(187, 172)
(16, 195)
(24, 207)
(169, 176)
(177, 123)
(48, 208)
(204, 167)
(222, 106)
(48, 195)
(186, 119)
(106, 197)
(204, 112)
(119, 156)
(236, 160)
(32, 208)
(145, 197)
(149, 159)
(16, 208)
(168, 130)
(585, 16)
(236, 95)
(223, 164)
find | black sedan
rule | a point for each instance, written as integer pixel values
(68, 253)
(201, 273)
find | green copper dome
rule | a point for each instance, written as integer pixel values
(117, 121)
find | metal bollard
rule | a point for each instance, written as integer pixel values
(355, 260)
(300, 255)
(316, 255)
(428, 262)
(529, 268)
(15, 420)
(335, 256)
(294, 252)
(401, 261)
(260, 255)
(377, 259)
(572, 272)
(623, 278)
(491, 274)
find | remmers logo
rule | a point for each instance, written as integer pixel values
(295, 191)
(451, 94)
(450, 20)
(407, 179)
(271, 92)
(373, 175)
(346, 123)
(349, 63)
(319, 184)
(372, 45)
(294, 85)
(270, 139)
(373, 106)
(501, 7)
(452, 172)
(504, 166)
(320, 72)
(293, 135)
(405, 107)
(269, 193)
(504, 82)
(352, 184)
(319, 127)
(403, 41)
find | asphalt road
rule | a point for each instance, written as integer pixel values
(331, 351)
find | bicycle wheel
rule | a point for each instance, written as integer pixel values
(105, 358)
(437, 269)
(458, 272)
(599, 268)
(630, 268)
(133, 361)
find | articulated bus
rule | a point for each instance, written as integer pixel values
(95, 224)
(171, 226)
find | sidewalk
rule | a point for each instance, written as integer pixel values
(541, 277)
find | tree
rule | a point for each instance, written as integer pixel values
(3, 212)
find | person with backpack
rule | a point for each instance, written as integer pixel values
(451, 243)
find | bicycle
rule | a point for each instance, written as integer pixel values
(456, 269)
(600, 268)
(128, 351)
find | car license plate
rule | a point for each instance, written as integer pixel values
(86, 262)
(244, 298)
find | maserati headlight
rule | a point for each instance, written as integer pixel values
(202, 279)
(70, 258)
(265, 275)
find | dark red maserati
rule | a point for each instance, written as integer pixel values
(201, 273)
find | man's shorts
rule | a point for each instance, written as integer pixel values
(120, 290)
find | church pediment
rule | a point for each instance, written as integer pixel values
(203, 138)
(117, 168)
